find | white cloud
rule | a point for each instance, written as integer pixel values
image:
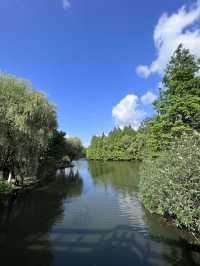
(126, 112)
(67, 136)
(148, 98)
(86, 144)
(66, 4)
(181, 27)
(143, 71)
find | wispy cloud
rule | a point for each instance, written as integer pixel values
(66, 4)
(148, 98)
(170, 31)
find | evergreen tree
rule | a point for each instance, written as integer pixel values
(178, 106)
(115, 146)
(178, 113)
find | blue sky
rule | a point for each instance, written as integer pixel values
(100, 62)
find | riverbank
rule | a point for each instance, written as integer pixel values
(10, 192)
(169, 185)
(97, 220)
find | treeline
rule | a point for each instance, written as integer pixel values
(168, 143)
(30, 143)
(178, 113)
(120, 144)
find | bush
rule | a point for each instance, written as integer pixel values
(4, 187)
(170, 184)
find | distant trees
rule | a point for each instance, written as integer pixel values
(54, 156)
(118, 145)
(60, 153)
(178, 113)
(74, 147)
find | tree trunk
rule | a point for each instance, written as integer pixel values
(9, 177)
(22, 180)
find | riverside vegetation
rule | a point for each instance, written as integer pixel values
(31, 146)
(168, 144)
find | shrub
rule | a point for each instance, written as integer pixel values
(4, 187)
(170, 184)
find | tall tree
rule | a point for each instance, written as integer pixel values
(180, 96)
(27, 121)
(178, 106)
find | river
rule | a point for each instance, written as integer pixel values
(95, 219)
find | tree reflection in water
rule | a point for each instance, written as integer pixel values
(26, 226)
(122, 176)
(65, 224)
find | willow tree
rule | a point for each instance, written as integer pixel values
(27, 121)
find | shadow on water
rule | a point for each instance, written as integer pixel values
(119, 246)
(28, 221)
(40, 229)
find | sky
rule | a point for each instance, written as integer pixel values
(100, 62)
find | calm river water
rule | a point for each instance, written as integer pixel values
(95, 220)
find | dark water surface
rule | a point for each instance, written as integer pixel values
(94, 220)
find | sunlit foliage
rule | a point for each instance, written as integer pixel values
(170, 184)
(118, 145)
(27, 121)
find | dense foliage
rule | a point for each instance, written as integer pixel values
(169, 185)
(178, 112)
(29, 139)
(27, 121)
(60, 153)
(168, 143)
(4, 187)
(178, 106)
(120, 144)
(75, 149)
